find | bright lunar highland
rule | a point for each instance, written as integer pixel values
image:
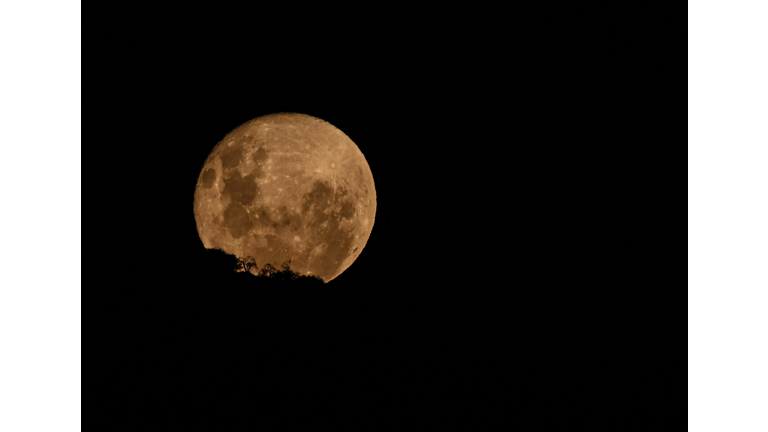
(287, 186)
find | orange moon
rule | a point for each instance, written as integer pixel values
(287, 186)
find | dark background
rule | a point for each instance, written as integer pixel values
(511, 205)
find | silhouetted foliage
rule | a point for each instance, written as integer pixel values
(246, 264)
(268, 270)
(224, 265)
(285, 273)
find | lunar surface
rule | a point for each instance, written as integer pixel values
(287, 186)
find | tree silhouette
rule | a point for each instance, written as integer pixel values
(286, 266)
(220, 267)
(268, 270)
(286, 273)
(246, 264)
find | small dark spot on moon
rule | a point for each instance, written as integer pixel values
(320, 193)
(236, 220)
(347, 209)
(208, 177)
(263, 216)
(248, 140)
(260, 155)
(231, 156)
(286, 216)
(241, 190)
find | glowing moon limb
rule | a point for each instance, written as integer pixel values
(287, 186)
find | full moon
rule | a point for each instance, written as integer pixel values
(287, 186)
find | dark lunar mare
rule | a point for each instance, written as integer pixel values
(318, 236)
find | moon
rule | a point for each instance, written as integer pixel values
(287, 186)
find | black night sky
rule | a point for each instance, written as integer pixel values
(478, 162)
(504, 217)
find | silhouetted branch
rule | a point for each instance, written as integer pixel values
(268, 270)
(246, 264)
(222, 263)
